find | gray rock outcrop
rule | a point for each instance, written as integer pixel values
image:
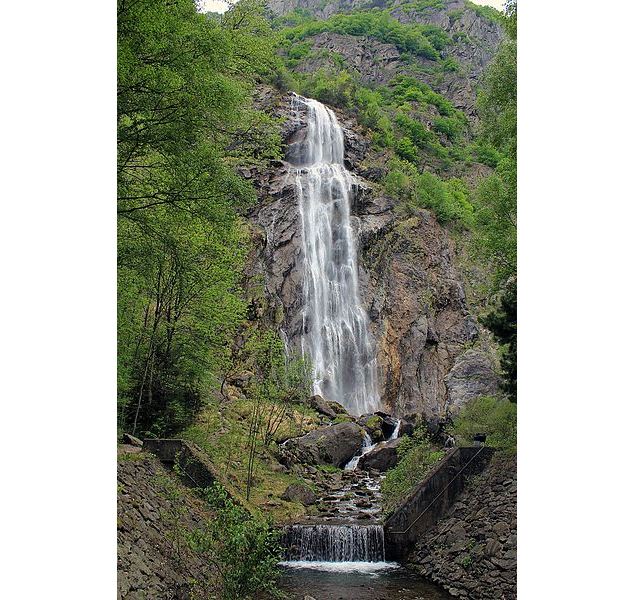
(334, 445)
(382, 457)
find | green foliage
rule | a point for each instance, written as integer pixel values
(495, 217)
(406, 149)
(496, 101)
(502, 323)
(244, 549)
(408, 88)
(416, 457)
(336, 88)
(487, 12)
(485, 153)
(422, 40)
(450, 65)
(496, 417)
(449, 200)
(184, 123)
(496, 198)
(422, 6)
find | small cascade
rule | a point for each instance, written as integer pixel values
(395, 432)
(334, 543)
(367, 446)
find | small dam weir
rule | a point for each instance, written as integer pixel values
(334, 543)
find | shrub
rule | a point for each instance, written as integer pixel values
(406, 149)
(496, 417)
(244, 549)
(449, 200)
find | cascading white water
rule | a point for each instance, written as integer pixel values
(367, 446)
(334, 543)
(395, 432)
(335, 325)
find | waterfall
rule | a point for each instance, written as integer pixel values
(334, 543)
(335, 326)
(367, 446)
(395, 432)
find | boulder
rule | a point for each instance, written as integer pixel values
(382, 457)
(329, 408)
(333, 445)
(374, 426)
(132, 440)
(319, 404)
(297, 492)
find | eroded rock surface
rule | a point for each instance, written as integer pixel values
(409, 284)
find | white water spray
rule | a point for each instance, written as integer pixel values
(335, 325)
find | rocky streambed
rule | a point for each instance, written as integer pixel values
(339, 551)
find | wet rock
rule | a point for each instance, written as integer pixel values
(382, 457)
(373, 424)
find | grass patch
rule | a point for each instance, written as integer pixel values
(222, 432)
(496, 417)
(417, 456)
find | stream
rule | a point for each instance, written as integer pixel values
(339, 553)
(357, 581)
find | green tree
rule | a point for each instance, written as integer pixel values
(495, 231)
(184, 123)
(244, 549)
(502, 323)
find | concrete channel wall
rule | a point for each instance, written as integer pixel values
(432, 498)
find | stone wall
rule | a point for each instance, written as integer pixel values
(151, 505)
(432, 499)
(471, 552)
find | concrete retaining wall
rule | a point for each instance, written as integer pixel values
(432, 498)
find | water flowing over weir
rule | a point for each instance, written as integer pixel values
(335, 543)
(335, 325)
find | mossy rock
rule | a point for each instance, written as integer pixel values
(343, 419)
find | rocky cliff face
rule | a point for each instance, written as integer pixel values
(426, 339)
(474, 40)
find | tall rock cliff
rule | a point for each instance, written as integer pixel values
(432, 357)
(474, 39)
(412, 291)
